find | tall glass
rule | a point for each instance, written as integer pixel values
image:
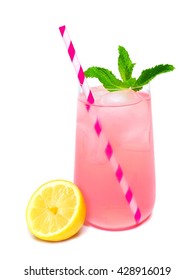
(126, 120)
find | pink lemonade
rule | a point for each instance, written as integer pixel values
(126, 120)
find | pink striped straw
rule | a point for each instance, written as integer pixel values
(98, 128)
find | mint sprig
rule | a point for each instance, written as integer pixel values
(125, 67)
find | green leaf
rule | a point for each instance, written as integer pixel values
(125, 65)
(106, 77)
(130, 83)
(150, 73)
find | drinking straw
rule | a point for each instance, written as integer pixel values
(98, 128)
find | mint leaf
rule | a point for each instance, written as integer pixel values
(125, 65)
(106, 77)
(150, 73)
(130, 83)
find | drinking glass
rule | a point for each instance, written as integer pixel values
(126, 120)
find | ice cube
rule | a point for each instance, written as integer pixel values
(98, 92)
(122, 97)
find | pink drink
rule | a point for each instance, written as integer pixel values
(126, 120)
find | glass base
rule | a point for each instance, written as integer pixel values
(119, 228)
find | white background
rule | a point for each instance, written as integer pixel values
(38, 89)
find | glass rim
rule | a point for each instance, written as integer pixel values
(139, 96)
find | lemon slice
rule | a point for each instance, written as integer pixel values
(56, 211)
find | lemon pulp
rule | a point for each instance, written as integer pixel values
(56, 211)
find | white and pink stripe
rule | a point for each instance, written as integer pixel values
(98, 128)
(78, 68)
